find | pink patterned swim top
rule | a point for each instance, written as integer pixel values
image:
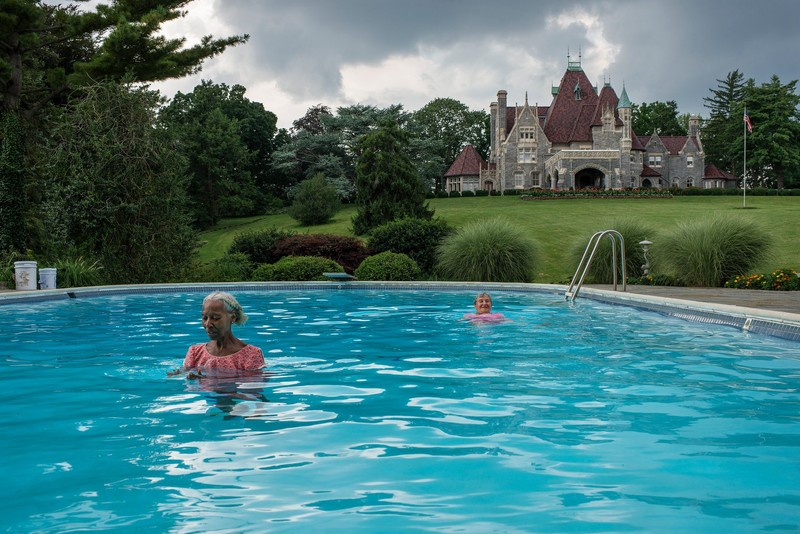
(485, 317)
(248, 358)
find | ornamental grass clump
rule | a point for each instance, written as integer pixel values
(488, 250)
(709, 252)
(601, 271)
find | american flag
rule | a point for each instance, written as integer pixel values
(748, 123)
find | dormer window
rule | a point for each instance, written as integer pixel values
(577, 91)
(690, 161)
(654, 160)
(527, 133)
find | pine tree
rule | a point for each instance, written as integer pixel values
(388, 186)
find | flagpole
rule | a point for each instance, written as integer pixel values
(744, 163)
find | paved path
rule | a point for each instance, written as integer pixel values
(780, 301)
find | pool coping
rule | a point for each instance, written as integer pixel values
(753, 320)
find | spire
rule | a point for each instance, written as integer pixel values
(624, 101)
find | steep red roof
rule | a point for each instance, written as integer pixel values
(608, 99)
(712, 172)
(468, 163)
(569, 119)
(648, 171)
(673, 143)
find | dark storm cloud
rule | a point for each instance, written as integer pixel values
(662, 50)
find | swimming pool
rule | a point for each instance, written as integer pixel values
(382, 412)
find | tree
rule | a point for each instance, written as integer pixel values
(723, 129)
(315, 202)
(661, 117)
(387, 183)
(454, 126)
(228, 141)
(773, 148)
(116, 187)
(13, 234)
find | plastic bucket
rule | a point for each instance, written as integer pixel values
(25, 275)
(47, 278)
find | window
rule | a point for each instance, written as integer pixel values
(690, 182)
(526, 154)
(690, 161)
(535, 181)
(471, 183)
(527, 133)
(633, 158)
(519, 180)
(654, 160)
(676, 182)
(455, 186)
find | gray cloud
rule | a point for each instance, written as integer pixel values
(672, 50)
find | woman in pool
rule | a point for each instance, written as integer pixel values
(483, 311)
(224, 354)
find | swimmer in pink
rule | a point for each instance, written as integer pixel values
(483, 311)
(224, 353)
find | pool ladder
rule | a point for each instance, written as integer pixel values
(594, 241)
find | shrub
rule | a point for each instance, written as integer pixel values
(488, 250)
(417, 238)
(348, 252)
(709, 252)
(316, 202)
(600, 271)
(388, 266)
(779, 280)
(235, 267)
(259, 246)
(300, 268)
(78, 272)
(468, 193)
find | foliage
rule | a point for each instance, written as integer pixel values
(322, 142)
(235, 267)
(661, 117)
(778, 280)
(388, 186)
(57, 48)
(653, 280)
(346, 251)
(228, 141)
(316, 202)
(13, 233)
(77, 271)
(548, 194)
(388, 266)
(454, 126)
(488, 250)
(417, 238)
(116, 189)
(708, 252)
(773, 148)
(259, 246)
(301, 268)
(633, 231)
(723, 129)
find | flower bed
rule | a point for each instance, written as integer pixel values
(548, 194)
(780, 280)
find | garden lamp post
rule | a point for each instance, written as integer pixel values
(645, 247)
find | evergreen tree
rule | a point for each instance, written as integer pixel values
(388, 186)
(773, 148)
(13, 233)
(316, 202)
(722, 131)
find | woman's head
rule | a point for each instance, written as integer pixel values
(483, 303)
(232, 306)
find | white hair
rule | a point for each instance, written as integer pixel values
(231, 305)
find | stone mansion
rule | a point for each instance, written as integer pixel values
(583, 139)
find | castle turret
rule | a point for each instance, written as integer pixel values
(502, 98)
(624, 109)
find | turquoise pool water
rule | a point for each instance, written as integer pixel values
(381, 412)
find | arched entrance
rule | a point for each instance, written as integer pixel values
(647, 184)
(589, 178)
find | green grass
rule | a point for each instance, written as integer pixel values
(557, 224)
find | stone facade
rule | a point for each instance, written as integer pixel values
(583, 139)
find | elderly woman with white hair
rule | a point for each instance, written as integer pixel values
(224, 353)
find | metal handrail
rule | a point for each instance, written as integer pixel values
(588, 257)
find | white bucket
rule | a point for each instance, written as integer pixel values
(25, 275)
(47, 278)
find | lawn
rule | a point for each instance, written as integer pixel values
(561, 225)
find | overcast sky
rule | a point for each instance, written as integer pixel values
(383, 52)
